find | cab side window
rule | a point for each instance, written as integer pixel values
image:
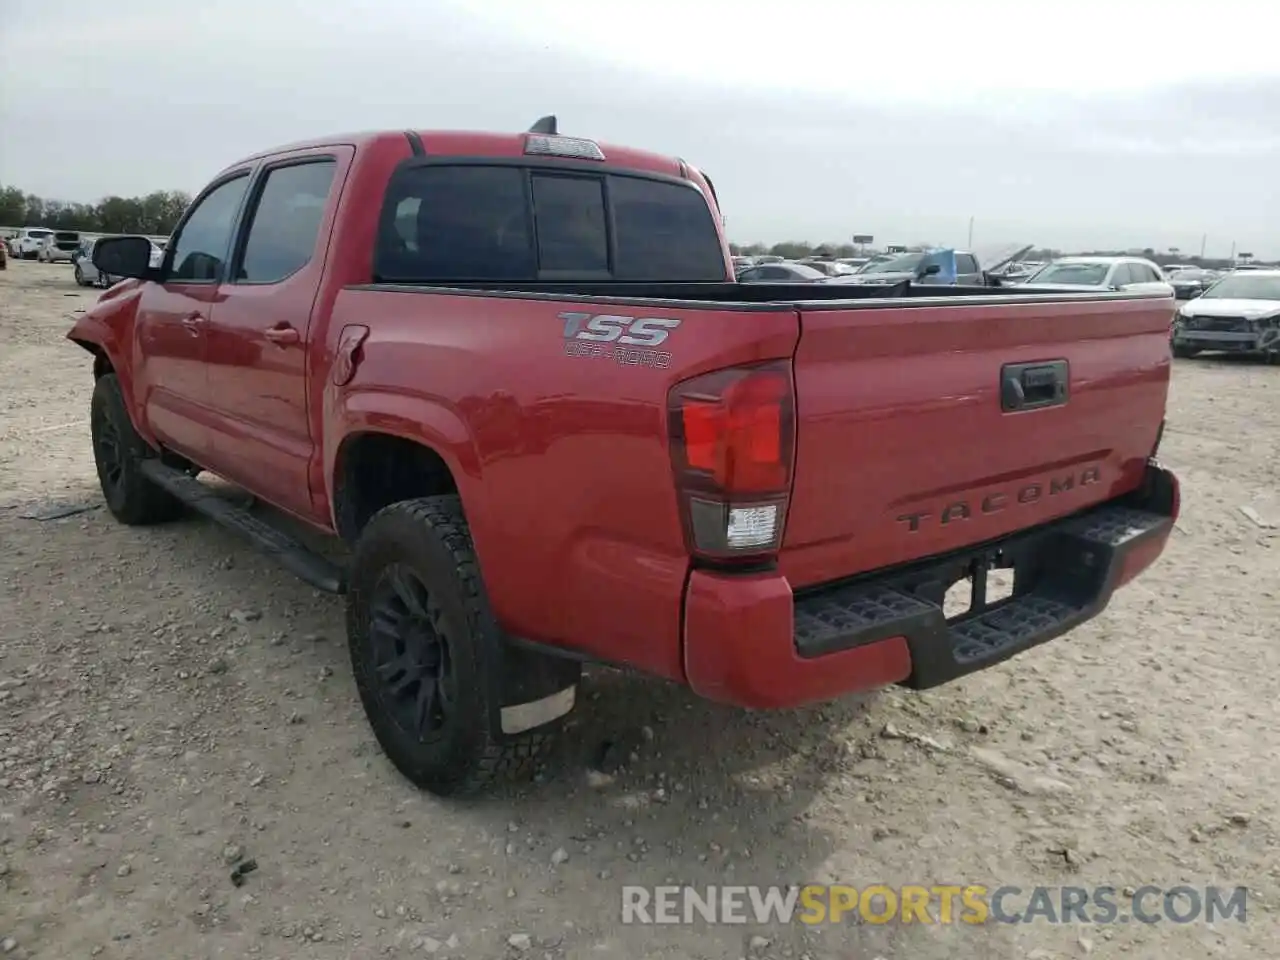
(286, 221)
(200, 250)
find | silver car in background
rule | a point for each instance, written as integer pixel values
(87, 275)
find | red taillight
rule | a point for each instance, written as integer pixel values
(732, 441)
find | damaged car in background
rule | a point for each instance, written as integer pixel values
(1189, 282)
(1238, 314)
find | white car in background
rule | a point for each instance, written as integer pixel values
(1238, 314)
(1099, 275)
(26, 245)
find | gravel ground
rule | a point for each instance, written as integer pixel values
(170, 703)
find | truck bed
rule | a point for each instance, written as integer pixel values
(779, 296)
(904, 450)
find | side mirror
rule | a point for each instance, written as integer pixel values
(929, 271)
(124, 257)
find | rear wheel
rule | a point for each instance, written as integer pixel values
(118, 453)
(80, 280)
(426, 651)
(1185, 353)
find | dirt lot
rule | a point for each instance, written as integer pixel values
(170, 701)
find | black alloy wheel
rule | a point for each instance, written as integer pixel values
(108, 451)
(412, 660)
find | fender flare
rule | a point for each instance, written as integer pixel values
(418, 419)
(102, 340)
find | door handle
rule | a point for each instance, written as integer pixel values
(282, 335)
(193, 323)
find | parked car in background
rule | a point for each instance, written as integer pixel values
(1016, 271)
(781, 273)
(1238, 314)
(830, 268)
(1190, 282)
(26, 245)
(907, 266)
(1099, 275)
(86, 274)
(59, 247)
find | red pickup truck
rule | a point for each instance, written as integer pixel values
(514, 374)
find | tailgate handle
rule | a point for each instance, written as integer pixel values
(1030, 386)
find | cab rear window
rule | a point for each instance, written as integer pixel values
(453, 223)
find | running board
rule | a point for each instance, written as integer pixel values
(295, 557)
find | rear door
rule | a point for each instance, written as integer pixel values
(910, 442)
(261, 332)
(170, 375)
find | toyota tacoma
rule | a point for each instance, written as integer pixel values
(514, 374)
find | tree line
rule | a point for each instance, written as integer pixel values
(155, 214)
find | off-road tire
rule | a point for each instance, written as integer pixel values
(118, 453)
(430, 537)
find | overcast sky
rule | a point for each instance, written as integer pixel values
(1074, 124)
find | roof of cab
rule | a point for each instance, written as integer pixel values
(474, 143)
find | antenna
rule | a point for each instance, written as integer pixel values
(545, 125)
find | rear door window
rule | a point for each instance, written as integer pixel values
(286, 221)
(966, 263)
(456, 223)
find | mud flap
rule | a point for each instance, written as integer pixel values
(534, 689)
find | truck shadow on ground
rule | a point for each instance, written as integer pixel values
(648, 784)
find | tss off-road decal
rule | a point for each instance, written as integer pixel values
(628, 341)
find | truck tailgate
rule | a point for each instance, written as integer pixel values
(918, 433)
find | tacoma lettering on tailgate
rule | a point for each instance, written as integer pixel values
(1027, 494)
(628, 341)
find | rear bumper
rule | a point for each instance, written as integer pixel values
(749, 641)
